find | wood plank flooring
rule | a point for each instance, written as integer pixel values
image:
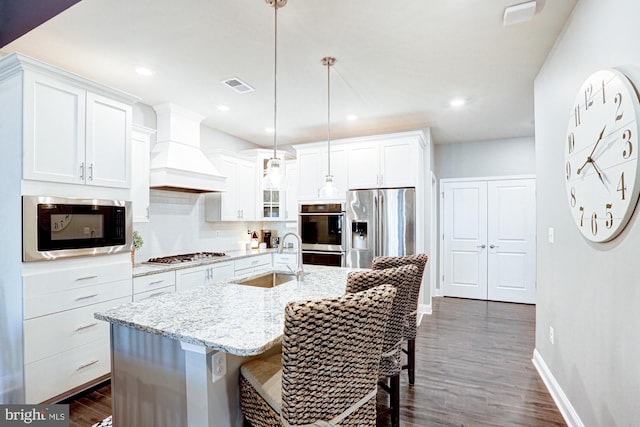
(473, 368)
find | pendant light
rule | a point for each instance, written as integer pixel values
(328, 189)
(275, 178)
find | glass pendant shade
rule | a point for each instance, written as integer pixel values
(328, 189)
(275, 179)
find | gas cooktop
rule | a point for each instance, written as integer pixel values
(176, 259)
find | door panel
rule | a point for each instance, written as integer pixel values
(512, 258)
(465, 234)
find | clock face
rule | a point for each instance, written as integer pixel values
(601, 155)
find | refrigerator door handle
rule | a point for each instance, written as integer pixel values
(376, 226)
(381, 221)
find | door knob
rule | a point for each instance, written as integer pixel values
(494, 246)
(481, 246)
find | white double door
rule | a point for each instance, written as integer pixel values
(489, 239)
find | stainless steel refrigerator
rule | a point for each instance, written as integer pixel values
(379, 222)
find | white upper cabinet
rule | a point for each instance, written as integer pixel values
(312, 168)
(376, 161)
(239, 201)
(140, 158)
(74, 131)
(54, 130)
(108, 142)
(383, 163)
(291, 213)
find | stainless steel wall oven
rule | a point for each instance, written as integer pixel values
(321, 230)
(54, 227)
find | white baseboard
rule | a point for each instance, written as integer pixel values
(566, 409)
(422, 310)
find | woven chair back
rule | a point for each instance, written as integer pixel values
(420, 261)
(330, 356)
(402, 279)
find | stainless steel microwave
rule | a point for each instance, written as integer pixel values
(54, 227)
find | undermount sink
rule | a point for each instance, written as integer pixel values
(268, 280)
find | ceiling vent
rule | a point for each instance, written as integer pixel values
(238, 85)
(518, 13)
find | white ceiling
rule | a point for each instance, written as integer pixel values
(398, 63)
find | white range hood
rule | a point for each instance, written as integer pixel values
(177, 162)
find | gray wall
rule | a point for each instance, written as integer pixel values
(514, 156)
(589, 293)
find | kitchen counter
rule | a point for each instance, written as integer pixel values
(238, 319)
(176, 358)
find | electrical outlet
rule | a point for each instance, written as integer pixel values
(218, 365)
(551, 334)
(217, 233)
(551, 235)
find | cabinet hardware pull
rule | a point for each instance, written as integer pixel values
(157, 294)
(86, 365)
(85, 278)
(481, 246)
(255, 262)
(155, 282)
(86, 297)
(82, 328)
(91, 172)
(82, 171)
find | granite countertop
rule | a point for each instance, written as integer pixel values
(239, 319)
(144, 269)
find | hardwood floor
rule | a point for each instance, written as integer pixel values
(473, 368)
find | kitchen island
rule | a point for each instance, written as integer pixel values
(176, 358)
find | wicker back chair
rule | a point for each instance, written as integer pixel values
(411, 324)
(390, 364)
(328, 369)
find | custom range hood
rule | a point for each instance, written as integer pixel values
(177, 162)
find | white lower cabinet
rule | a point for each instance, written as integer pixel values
(154, 285)
(203, 275)
(254, 264)
(65, 347)
(65, 371)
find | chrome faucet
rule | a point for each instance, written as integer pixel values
(300, 272)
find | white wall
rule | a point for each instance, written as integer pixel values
(589, 293)
(514, 156)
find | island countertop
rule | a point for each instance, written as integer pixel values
(238, 319)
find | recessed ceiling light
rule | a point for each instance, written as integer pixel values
(223, 107)
(269, 130)
(352, 117)
(143, 71)
(457, 102)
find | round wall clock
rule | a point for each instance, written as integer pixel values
(601, 155)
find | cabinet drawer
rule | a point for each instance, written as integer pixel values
(61, 279)
(280, 261)
(154, 293)
(154, 281)
(40, 305)
(57, 374)
(259, 261)
(48, 335)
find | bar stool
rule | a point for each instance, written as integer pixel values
(328, 370)
(390, 363)
(411, 325)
